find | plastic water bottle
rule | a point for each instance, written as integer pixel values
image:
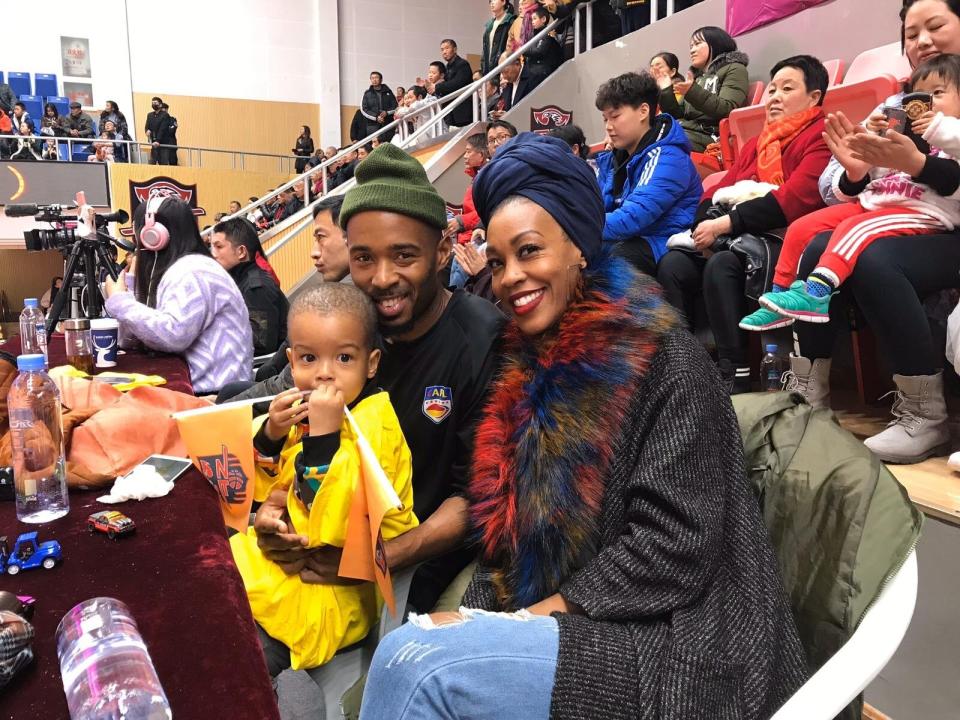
(771, 370)
(33, 332)
(36, 431)
(106, 670)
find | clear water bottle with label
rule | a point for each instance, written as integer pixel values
(771, 370)
(106, 669)
(36, 432)
(33, 332)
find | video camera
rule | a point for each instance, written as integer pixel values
(88, 252)
(64, 234)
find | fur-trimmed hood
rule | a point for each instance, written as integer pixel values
(727, 58)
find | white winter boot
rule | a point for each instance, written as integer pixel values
(810, 379)
(919, 428)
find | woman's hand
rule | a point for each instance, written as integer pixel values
(682, 87)
(893, 150)
(554, 603)
(838, 132)
(922, 123)
(470, 258)
(283, 415)
(479, 236)
(453, 227)
(663, 79)
(325, 410)
(708, 231)
(112, 287)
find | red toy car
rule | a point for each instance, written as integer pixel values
(111, 522)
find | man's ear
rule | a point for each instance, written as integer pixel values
(444, 250)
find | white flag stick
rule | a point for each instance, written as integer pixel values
(363, 446)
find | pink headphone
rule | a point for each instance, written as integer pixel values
(154, 235)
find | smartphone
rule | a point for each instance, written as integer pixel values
(916, 104)
(168, 466)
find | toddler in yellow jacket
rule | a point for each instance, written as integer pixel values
(306, 447)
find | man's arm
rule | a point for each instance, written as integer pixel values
(439, 534)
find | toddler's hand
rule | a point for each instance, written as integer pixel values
(877, 123)
(326, 410)
(283, 415)
(920, 125)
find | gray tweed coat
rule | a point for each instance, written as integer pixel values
(684, 614)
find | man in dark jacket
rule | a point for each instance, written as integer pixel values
(157, 127)
(458, 76)
(515, 86)
(377, 106)
(170, 138)
(235, 246)
(77, 124)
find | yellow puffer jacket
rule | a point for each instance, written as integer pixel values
(315, 621)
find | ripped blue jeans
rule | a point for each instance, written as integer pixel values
(489, 665)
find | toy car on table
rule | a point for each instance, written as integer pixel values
(27, 554)
(115, 524)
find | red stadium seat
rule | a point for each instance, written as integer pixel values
(883, 60)
(755, 95)
(834, 71)
(711, 181)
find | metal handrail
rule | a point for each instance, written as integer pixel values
(479, 86)
(131, 144)
(451, 101)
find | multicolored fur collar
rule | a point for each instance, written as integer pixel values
(544, 447)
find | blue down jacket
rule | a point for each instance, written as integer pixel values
(661, 194)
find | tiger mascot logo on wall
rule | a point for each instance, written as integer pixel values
(162, 186)
(545, 119)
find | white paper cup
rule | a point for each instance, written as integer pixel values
(105, 333)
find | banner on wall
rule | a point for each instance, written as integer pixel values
(545, 119)
(75, 53)
(161, 186)
(746, 15)
(79, 92)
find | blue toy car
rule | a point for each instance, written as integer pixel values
(28, 554)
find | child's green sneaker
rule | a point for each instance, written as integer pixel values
(764, 319)
(796, 303)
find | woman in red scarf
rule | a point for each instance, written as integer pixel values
(789, 154)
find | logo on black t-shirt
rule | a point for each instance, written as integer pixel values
(437, 402)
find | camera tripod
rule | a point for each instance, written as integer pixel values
(92, 251)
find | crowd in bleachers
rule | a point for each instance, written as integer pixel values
(41, 122)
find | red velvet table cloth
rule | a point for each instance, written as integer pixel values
(175, 573)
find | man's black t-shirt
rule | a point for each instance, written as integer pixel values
(438, 388)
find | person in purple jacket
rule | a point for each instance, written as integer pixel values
(175, 298)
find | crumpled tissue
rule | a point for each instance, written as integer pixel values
(142, 482)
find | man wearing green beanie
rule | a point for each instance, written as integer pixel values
(440, 356)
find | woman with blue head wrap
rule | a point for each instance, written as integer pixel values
(615, 529)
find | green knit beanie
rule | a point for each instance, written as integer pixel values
(390, 180)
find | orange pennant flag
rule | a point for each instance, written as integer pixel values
(364, 557)
(219, 440)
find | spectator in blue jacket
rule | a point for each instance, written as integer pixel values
(650, 186)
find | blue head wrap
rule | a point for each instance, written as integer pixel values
(545, 171)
